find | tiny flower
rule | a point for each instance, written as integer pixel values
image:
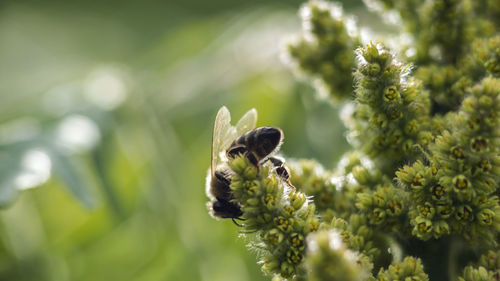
(422, 227)
(479, 144)
(378, 216)
(294, 257)
(373, 69)
(464, 213)
(274, 236)
(426, 210)
(418, 181)
(460, 182)
(458, 153)
(297, 240)
(297, 200)
(283, 224)
(485, 216)
(437, 192)
(444, 210)
(391, 94)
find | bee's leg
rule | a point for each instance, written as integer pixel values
(234, 220)
(251, 157)
(233, 152)
(281, 171)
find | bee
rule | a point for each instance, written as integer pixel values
(219, 179)
(256, 144)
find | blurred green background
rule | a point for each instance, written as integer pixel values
(106, 115)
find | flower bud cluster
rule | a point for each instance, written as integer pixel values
(456, 193)
(324, 52)
(409, 269)
(384, 207)
(489, 12)
(446, 83)
(357, 235)
(280, 217)
(486, 57)
(310, 177)
(397, 109)
(435, 41)
(443, 31)
(488, 269)
(328, 259)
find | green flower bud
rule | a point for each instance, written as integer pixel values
(270, 264)
(252, 202)
(418, 181)
(460, 183)
(289, 210)
(283, 224)
(391, 94)
(297, 240)
(378, 216)
(458, 153)
(274, 236)
(464, 213)
(395, 208)
(395, 114)
(437, 192)
(287, 269)
(410, 269)
(422, 226)
(268, 200)
(378, 199)
(444, 210)
(412, 127)
(297, 200)
(479, 144)
(484, 165)
(485, 217)
(440, 229)
(361, 174)
(373, 69)
(426, 210)
(485, 102)
(294, 257)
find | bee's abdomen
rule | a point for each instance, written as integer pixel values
(260, 141)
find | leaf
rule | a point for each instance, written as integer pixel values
(70, 171)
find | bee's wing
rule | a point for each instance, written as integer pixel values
(222, 130)
(247, 122)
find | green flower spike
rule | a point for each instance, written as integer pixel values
(395, 106)
(280, 217)
(328, 259)
(324, 52)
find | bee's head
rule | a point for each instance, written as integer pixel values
(225, 209)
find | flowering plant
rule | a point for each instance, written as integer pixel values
(417, 197)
